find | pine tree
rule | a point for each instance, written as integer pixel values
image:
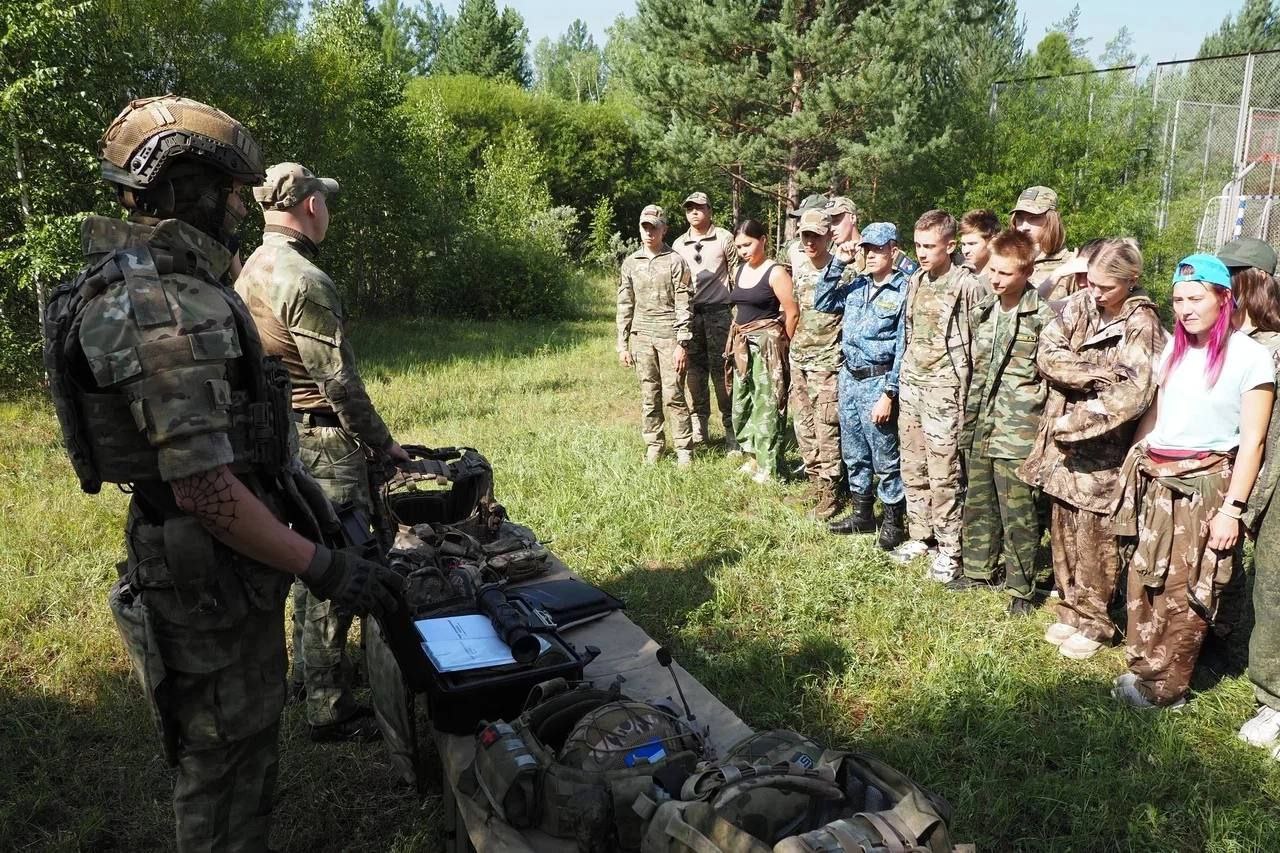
(486, 43)
(571, 67)
(1256, 27)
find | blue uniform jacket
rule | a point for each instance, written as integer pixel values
(874, 332)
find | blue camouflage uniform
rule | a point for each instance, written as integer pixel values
(872, 340)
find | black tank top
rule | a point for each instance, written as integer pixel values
(754, 302)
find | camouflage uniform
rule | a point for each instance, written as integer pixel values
(1004, 402)
(756, 375)
(300, 317)
(1263, 519)
(933, 380)
(1046, 280)
(815, 362)
(872, 341)
(1101, 380)
(1174, 579)
(712, 260)
(654, 294)
(203, 624)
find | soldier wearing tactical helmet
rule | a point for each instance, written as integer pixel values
(160, 381)
(299, 314)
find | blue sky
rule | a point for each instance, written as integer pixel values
(1168, 29)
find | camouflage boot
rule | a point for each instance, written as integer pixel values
(893, 529)
(861, 520)
(830, 500)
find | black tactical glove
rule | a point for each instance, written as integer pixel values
(354, 584)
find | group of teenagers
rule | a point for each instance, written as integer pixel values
(996, 385)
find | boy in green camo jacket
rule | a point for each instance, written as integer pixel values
(1002, 414)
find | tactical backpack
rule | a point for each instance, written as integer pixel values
(780, 792)
(578, 758)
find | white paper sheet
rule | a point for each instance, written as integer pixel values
(456, 643)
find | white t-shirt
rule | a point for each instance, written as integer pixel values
(1195, 417)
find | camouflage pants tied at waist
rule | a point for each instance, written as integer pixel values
(928, 428)
(662, 388)
(1086, 568)
(1174, 577)
(1264, 641)
(1001, 525)
(758, 424)
(816, 416)
(868, 449)
(320, 659)
(710, 327)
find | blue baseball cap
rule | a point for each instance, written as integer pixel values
(1202, 267)
(878, 234)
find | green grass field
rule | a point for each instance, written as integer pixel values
(791, 627)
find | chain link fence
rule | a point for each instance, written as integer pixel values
(1184, 156)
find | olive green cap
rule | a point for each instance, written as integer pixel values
(810, 202)
(287, 184)
(1248, 252)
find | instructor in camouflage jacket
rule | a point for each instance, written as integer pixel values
(300, 317)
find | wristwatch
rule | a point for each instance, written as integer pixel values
(891, 393)
(1238, 504)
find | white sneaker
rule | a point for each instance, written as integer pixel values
(761, 477)
(1079, 647)
(1126, 691)
(684, 458)
(1263, 729)
(1058, 633)
(748, 467)
(651, 454)
(944, 568)
(909, 550)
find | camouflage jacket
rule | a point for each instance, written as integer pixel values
(874, 331)
(1264, 487)
(179, 402)
(712, 260)
(1006, 390)
(1101, 381)
(816, 343)
(654, 297)
(299, 315)
(1045, 277)
(958, 293)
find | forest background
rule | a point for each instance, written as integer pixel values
(481, 177)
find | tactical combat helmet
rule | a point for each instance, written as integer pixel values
(625, 733)
(151, 133)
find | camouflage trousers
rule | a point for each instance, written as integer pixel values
(816, 417)
(867, 448)
(214, 679)
(1086, 569)
(320, 659)
(757, 424)
(1001, 525)
(710, 328)
(928, 429)
(661, 387)
(1264, 642)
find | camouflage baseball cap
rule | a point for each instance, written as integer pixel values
(697, 198)
(1036, 200)
(841, 204)
(814, 222)
(288, 184)
(810, 202)
(879, 234)
(654, 215)
(1248, 252)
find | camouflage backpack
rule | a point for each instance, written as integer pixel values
(781, 792)
(576, 760)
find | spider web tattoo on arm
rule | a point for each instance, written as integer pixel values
(209, 497)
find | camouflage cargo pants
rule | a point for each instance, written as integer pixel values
(1001, 525)
(1086, 569)
(320, 660)
(1264, 642)
(661, 388)
(710, 328)
(757, 423)
(816, 417)
(215, 682)
(868, 448)
(928, 429)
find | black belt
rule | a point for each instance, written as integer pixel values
(316, 419)
(867, 372)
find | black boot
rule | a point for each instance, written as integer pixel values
(861, 520)
(893, 529)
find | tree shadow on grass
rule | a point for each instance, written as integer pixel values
(660, 598)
